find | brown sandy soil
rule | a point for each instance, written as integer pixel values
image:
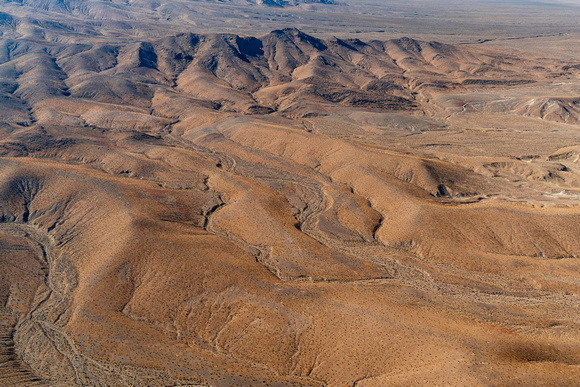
(216, 209)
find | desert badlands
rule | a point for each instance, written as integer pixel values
(289, 193)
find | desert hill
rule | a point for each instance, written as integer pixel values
(280, 72)
(219, 209)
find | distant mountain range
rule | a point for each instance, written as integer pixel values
(76, 4)
(276, 3)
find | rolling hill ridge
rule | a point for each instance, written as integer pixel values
(217, 209)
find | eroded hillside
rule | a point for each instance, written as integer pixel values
(217, 209)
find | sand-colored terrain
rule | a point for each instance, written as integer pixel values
(189, 208)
